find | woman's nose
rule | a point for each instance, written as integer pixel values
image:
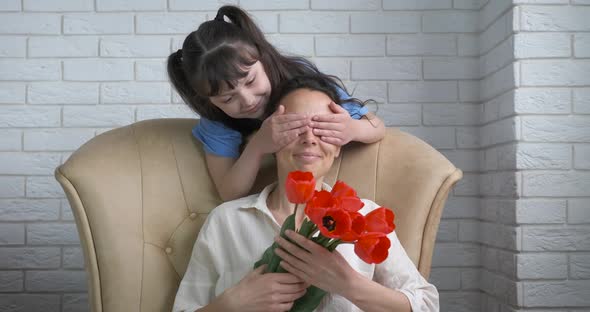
(308, 137)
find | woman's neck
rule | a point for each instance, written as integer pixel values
(281, 208)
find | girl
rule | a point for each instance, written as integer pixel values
(226, 71)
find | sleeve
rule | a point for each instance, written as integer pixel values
(355, 110)
(399, 272)
(218, 139)
(197, 287)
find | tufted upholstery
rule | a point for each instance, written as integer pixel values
(140, 194)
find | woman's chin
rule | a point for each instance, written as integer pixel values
(309, 167)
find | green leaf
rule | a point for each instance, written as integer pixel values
(312, 298)
(266, 256)
(273, 265)
(306, 228)
(289, 224)
(322, 240)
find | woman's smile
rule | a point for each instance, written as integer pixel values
(307, 157)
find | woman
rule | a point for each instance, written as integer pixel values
(220, 276)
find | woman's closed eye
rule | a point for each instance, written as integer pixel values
(228, 99)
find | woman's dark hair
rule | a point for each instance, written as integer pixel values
(215, 55)
(322, 83)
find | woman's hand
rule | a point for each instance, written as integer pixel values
(280, 129)
(265, 292)
(314, 264)
(337, 128)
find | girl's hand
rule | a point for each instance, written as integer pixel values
(314, 264)
(337, 128)
(265, 292)
(280, 129)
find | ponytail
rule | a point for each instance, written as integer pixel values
(178, 77)
(243, 21)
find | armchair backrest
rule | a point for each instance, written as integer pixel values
(140, 194)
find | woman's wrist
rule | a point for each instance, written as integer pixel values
(225, 301)
(353, 283)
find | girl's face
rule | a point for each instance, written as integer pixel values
(250, 96)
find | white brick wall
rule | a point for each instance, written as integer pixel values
(58, 5)
(545, 77)
(554, 18)
(97, 24)
(29, 70)
(98, 69)
(450, 21)
(345, 5)
(30, 23)
(74, 46)
(395, 22)
(62, 93)
(421, 44)
(389, 69)
(167, 23)
(350, 45)
(313, 22)
(500, 87)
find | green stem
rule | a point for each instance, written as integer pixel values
(322, 240)
(313, 231)
(306, 228)
(273, 265)
(295, 214)
(332, 245)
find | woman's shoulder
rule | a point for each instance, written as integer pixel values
(231, 208)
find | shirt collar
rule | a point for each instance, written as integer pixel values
(258, 202)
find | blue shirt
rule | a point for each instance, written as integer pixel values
(220, 140)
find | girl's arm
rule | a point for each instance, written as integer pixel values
(370, 129)
(234, 177)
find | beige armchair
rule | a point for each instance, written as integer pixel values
(140, 194)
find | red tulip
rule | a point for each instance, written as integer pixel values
(357, 227)
(380, 220)
(334, 223)
(351, 204)
(320, 202)
(347, 196)
(372, 247)
(300, 186)
(342, 189)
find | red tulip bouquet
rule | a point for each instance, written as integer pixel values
(335, 216)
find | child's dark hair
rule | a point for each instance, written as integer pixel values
(215, 55)
(322, 83)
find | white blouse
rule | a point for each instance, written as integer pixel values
(237, 232)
